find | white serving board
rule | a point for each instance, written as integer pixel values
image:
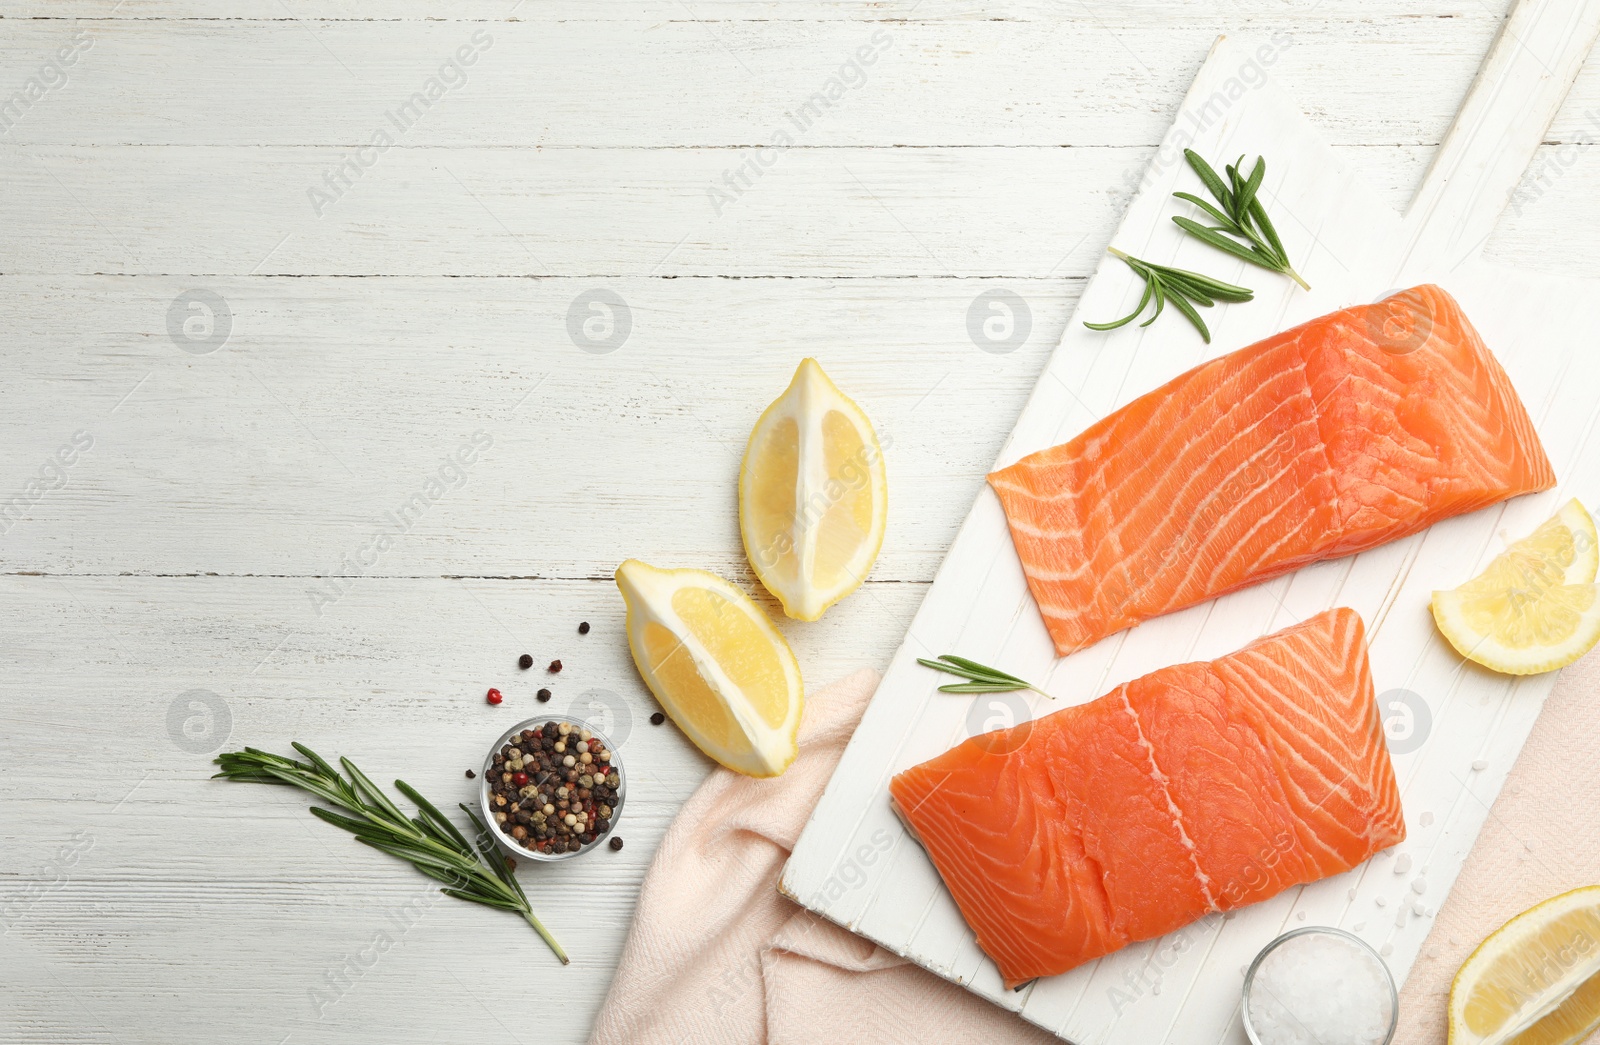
(857, 866)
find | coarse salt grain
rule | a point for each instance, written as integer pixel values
(1319, 988)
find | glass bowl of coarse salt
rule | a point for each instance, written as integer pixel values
(1319, 986)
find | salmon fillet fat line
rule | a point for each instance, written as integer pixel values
(1339, 435)
(1197, 788)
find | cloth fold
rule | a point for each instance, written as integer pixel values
(716, 955)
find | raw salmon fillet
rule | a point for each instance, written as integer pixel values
(1339, 435)
(1197, 788)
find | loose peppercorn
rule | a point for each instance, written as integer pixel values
(525, 661)
(583, 629)
(471, 775)
(657, 718)
(544, 696)
(616, 843)
(493, 696)
(555, 667)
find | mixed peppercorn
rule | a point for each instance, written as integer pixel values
(553, 789)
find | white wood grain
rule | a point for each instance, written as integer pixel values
(1031, 212)
(280, 452)
(178, 156)
(658, 11)
(1523, 84)
(1085, 77)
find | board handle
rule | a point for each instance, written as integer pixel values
(1518, 90)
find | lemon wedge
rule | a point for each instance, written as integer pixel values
(1535, 980)
(1535, 607)
(813, 497)
(716, 664)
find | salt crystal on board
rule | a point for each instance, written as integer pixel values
(1320, 989)
(1426, 819)
(1479, 765)
(1381, 902)
(1419, 885)
(1403, 864)
(1386, 950)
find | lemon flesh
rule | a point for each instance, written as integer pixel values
(716, 664)
(813, 495)
(1535, 607)
(1535, 980)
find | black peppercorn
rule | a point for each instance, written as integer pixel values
(543, 695)
(525, 661)
(657, 718)
(616, 843)
(583, 629)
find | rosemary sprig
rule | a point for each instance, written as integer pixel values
(984, 679)
(429, 841)
(1184, 289)
(1238, 213)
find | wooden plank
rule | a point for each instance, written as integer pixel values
(333, 401)
(1084, 77)
(1525, 79)
(658, 11)
(1037, 213)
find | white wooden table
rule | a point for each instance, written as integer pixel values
(171, 590)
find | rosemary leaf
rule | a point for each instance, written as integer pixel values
(1242, 226)
(1247, 195)
(1182, 305)
(1185, 289)
(1207, 175)
(1216, 215)
(984, 679)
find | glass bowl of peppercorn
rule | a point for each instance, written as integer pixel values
(552, 789)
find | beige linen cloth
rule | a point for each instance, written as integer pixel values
(717, 956)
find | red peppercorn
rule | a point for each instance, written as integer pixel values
(555, 667)
(494, 697)
(520, 779)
